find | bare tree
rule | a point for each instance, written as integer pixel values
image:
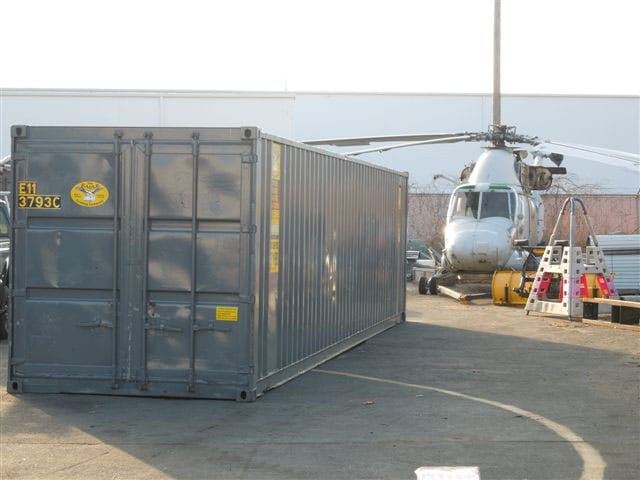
(428, 205)
(562, 188)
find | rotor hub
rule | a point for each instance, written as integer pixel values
(499, 135)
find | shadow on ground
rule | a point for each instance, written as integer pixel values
(322, 426)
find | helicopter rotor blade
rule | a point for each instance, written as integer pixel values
(603, 155)
(355, 141)
(448, 139)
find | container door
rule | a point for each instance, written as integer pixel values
(131, 259)
(64, 267)
(196, 226)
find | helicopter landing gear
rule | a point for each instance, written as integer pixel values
(422, 286)
(433, 286)
(428, 285)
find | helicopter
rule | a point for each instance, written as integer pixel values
(495, 214)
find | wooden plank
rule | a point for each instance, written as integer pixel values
(613, 301)
(604, 323)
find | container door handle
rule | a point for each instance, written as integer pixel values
(97, 323)
(162, 327)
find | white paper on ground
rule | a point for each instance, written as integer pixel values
(448, 473)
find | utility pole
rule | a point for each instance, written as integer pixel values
(496, 62)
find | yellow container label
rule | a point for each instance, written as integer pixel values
(27, 188)
(275, 218)
(89, 194)
(227, 314)
(28, 197)
(274, 246)
(274, 255)
(276, 156)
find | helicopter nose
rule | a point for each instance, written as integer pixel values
(478, 249)
(459, 247)
(490, 245)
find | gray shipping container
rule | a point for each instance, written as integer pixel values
(194, 262)
(622, 253)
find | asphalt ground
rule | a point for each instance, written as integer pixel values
(456, 385)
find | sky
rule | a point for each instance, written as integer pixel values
(548, 46)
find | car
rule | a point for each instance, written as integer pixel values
(422, 262)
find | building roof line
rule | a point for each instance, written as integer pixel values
(272, 94)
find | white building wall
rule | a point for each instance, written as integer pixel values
(610, 122)
(144, 108)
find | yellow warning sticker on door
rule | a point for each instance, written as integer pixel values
(89, 194)
(227, 314)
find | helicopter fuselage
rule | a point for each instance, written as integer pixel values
(490, 215)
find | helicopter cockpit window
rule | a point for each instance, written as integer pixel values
(484, 204)
(497, 204)
(465, 204)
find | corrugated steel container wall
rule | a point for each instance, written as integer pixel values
(622, 253)
(620, 243)
(340, 239)
(207, 262)
(627, 272)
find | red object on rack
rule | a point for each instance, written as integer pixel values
(584, 287)
(544, 285)
(602, 285)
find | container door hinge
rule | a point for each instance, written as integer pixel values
(248, 299)
(248, 228)
(251, 158)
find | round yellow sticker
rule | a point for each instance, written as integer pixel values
(89, 194)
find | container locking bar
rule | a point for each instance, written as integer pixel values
(162, 327)
(204, 328)
(195, 154)
(117, 147)
(148, 143)
(97, 323)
